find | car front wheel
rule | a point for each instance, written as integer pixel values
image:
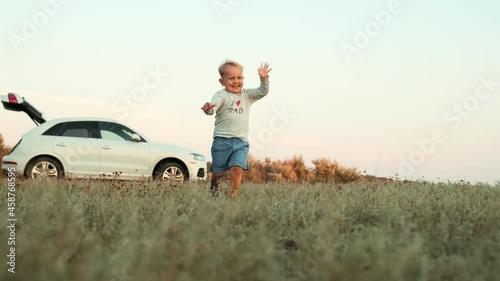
(44, 168)
(171, 172)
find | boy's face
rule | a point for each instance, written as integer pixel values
(232, 79)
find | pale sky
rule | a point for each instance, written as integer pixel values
(389, 87)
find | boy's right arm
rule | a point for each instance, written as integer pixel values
(208, 108)
(216, 103)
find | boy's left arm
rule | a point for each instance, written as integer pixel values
(261, 91)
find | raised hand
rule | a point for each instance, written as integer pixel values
(264, 70)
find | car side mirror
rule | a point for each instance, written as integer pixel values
(136, 138)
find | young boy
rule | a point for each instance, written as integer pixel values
(232, 107)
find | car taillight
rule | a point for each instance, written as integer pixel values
(12, 98)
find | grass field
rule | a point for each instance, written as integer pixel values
(124, 231)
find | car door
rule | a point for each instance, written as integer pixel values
(76, 143)
(120, 155)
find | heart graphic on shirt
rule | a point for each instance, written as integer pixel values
(238, 103)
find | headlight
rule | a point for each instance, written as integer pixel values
(198, 157)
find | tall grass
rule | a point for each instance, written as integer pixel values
(124, 231)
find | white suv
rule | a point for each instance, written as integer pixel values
(95, 148)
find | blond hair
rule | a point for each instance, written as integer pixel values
(226, 64)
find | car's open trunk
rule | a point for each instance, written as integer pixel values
(15, 102)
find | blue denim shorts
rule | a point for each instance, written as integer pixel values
(228, 152)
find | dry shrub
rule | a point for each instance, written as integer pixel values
(294, 170)
(345, 175)
(327, 170)
(255, 172)
(273, 171)
(301, 172)
(288, 173)
(4, 150)
(324, 169)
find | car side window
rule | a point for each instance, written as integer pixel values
(78, 129)
(117, 132)
(54, 130)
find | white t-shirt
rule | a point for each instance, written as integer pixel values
(233, 110)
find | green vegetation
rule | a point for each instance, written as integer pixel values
(124, 231)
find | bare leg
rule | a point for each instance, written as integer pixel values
(236, 173)
(214, 183)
